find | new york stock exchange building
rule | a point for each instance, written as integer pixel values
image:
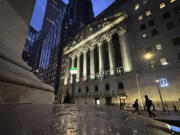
(122, 56)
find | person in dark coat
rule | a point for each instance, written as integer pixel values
(148, 106)
(136, 106)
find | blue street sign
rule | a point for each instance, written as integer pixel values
(163, 82)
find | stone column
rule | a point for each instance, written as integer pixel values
(85, 66)
(78, 69)
(17, 83)
(92, 68)
(101, 59)
(111, 56)
(67, 72)
(125, 51)
(72, 65)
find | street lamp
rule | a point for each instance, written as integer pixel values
(149, 56)
(73, 72)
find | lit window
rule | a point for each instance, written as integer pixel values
(140, 17)
(171, 1)
(163, 61)
(144, 35)
(162, 5)
(159, 47)
(145, 1)
(136, 7)
(148, 13)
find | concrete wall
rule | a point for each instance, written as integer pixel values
(17, 83)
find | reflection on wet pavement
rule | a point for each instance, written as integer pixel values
(75, 120)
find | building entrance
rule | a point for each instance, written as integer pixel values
(108, 100)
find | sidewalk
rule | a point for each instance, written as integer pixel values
(167, 117)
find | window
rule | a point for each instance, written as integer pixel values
(136, 7)
(87, 89)
(144, 35)
(162, 5)
(166, 16)
(79, 90)
(152, 64)
(159, 47)
(176, 41)
(172, 1)
(145, 1)
(140, 17)
(177, 10)
(149, 49)
(148, 13)
(154, 32)
(142, 27)
(179, 57)
(107, 87)
(151, 23)
(96, 88)
(120, 86)
(170, 25)
(163, 61)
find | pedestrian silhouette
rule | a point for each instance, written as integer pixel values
(136, 106)
(175, 108)
(148, 106)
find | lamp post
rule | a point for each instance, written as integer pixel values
(73, 72)
(149, 56)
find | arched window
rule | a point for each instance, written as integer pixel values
(120, 86)
(79, 90)
(87, 89)
(107, 87)
(96, 88)
(176, 41)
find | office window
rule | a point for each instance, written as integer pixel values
(144, 35)
(96, 88)
(151, 23)
(172, 1)
(177, 10)
(145, 1)
(162, 5)
(142, 27)
(107, 87)
(87, 89)
(148, 13)
(170, 25)
(136, 7)
(120, 86)
(159, 47)
(140, 17)
(148, 49)
(163, 61)
(79, 90)
(176, 41)
(179, 57)
(166, 16)
(152, 64)
(178, 20)
(154, 32)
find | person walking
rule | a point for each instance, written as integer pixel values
(148, 106)
(136, 106)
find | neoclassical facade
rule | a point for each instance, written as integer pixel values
(109, 56)
(104, 53)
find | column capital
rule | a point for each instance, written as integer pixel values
(120, 32)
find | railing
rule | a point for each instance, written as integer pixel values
(119, 71)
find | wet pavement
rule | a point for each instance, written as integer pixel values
(75, 120)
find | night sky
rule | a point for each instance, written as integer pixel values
(38, 15)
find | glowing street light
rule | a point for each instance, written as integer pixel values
(148, 56)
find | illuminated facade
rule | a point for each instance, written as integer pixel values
(110, 55)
